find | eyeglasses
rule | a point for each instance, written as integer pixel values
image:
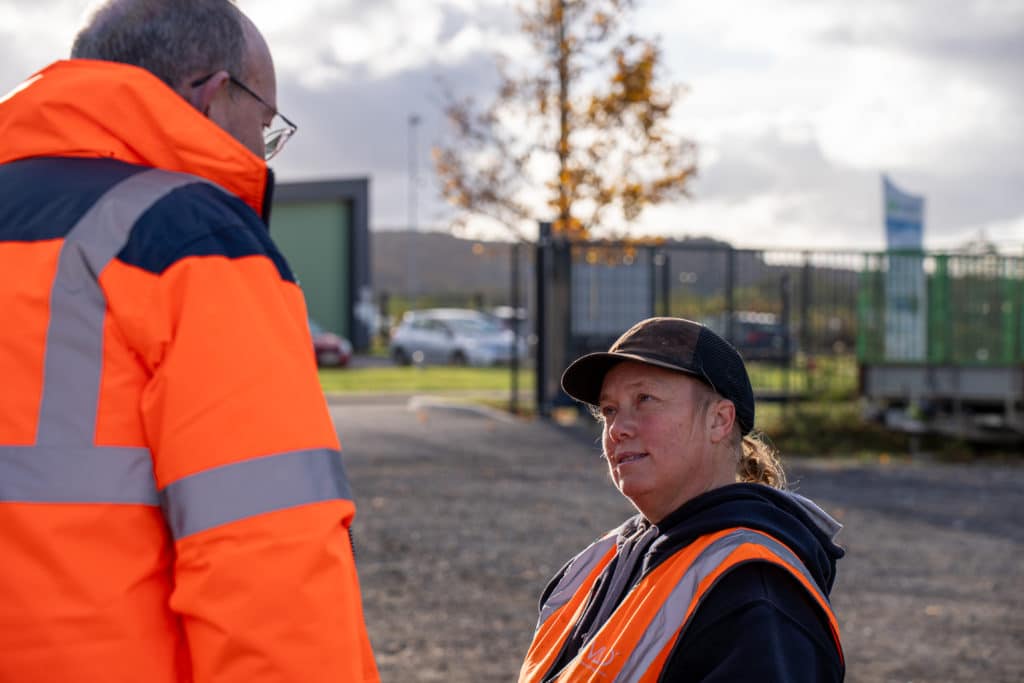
(276, 133)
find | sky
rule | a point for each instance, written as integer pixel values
(797, 106)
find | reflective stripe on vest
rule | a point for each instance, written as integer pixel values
(564, 606)
(575, 574)
(65, 465)
(635, 642)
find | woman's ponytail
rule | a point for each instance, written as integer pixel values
(759, 463)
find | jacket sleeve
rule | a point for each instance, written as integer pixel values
(250, 473)
(756, 624)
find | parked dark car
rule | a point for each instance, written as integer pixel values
(756, 335)
(332, 350)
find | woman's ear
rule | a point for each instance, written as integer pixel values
(721, 418)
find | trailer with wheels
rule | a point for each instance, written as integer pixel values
(940, 343)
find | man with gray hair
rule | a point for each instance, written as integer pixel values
(172, 493)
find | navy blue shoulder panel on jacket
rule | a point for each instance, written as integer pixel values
(42, 198)
(199, 220)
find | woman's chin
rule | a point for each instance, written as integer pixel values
(636, 491)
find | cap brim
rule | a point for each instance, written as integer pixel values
(584, 377)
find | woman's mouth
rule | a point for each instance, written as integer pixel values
(627, 458)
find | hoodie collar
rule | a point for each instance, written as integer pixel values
(793, 520)
(88, 108)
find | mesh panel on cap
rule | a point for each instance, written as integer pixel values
(723, 367)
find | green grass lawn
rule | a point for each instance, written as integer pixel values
(433, 378)
(826, 427)
(825, 377)
(828, 378)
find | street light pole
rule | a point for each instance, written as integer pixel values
(411, 285)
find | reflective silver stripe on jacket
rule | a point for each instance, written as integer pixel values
(577, 572)
(76, 474)
(252, 487)
(665, 624)
(65, 466)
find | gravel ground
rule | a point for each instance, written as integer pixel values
(463, 517)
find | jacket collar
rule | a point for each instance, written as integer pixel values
(88, 108)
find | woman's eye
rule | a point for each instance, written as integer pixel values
(644, 397)
(607, 411)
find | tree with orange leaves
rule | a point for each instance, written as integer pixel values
(586, 124)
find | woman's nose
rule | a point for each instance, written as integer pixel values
(622, 426)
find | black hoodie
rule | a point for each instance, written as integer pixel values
(758, 623)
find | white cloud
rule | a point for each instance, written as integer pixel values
(324, 42)
(1007, 234)
(894, 111)
(33, 34)
(798, 105)
(925, 89)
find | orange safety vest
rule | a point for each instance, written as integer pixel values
(636, 641)
(173, 503)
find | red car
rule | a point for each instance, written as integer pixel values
(331, 350)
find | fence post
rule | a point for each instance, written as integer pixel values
(805, 305)
(541, 268)
(661, 259)
(653, 264)
(730, 286)
(554, 313)
(382, 334)
(513, 398)
(787, 345)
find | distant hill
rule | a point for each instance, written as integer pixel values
(444, 264)
(453, 269)
(441, 264)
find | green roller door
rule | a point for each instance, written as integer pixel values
(314, 237)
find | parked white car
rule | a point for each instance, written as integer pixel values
(458, 336)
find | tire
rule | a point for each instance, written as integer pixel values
(400, 356)
(459, 358)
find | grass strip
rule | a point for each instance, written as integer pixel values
(411, 379)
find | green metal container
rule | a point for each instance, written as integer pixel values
(970, 310)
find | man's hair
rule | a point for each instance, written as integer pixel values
(172, 39)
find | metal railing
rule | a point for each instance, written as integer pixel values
(801, 319)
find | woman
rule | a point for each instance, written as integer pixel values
(723, 575)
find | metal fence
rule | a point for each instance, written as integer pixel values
(810, 324)
(805, 321)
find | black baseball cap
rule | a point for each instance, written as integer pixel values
(675, 344)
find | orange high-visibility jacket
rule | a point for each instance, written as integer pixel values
(633, 645)
(173, 505)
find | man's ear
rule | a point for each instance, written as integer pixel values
(721, 418)
(202, 97)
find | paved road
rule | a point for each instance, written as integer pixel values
(463, 515)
